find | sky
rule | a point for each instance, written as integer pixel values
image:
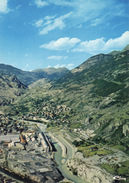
(60, 33)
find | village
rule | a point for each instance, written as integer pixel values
(26, 151)
(48, 112)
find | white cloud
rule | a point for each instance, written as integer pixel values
(58, 23)
(41, 3)
(49, 17)
(57, 57)
(38, 23)
(25, 68)
(95, 13)
(97, 21)
(61, 2)
(4, 6)
(100, 45)
(18, 7)
(51, 23)
(118, 43)
(59, 66)
(48, 66)
(91, 46)
(44, 22)
(89, 10)
(61, 44)
(68, 66)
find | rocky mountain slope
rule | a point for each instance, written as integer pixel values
(99, 90)
(10, 88)
(28, 78)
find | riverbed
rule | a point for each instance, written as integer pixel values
(63, 168)
(59, 159)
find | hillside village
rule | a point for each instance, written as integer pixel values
(49, 112)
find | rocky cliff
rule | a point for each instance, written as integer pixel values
(88, 172)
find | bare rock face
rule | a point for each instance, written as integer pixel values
(89, 172)
(126, 129)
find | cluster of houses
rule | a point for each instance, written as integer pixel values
(51, 111)
(19, 137)
(8, 125)
(26, 151)
(29, 141)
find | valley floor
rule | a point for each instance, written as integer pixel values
(27, 154)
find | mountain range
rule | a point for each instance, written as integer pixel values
(97, 92)
(29, 77)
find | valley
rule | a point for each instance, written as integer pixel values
(22, 148)
(72, 128)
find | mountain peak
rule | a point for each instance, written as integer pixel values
(28, 78)
(97, 59)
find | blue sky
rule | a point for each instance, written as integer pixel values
(60, 33)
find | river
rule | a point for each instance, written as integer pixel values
(63, 168)
(58, 158)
